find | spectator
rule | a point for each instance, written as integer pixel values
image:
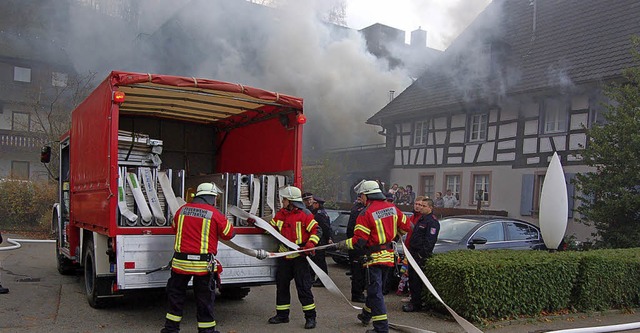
(2, 290)
(411, 196)
(355, 262)
(393, 189)
(450, 200)
(400, 197)
(438, 201)
(307, 198)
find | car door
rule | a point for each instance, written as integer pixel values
(522, 236)
(493, 232)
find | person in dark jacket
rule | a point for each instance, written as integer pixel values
(2, 289)
(421, 243)
(355, 256)
(324, 222)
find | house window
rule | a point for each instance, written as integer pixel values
(452, 182)
(478, 127)
(59, 79)
(555, 116)
(481, 187)
(22, 74)
(20, 170)
(539, 180)
(420, 133)
(428, 186)
(20, 121)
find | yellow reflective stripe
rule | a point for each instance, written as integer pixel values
(366, 309)
(204, 236)
(283, 307)
(298, 232)
(382, 238)
(311, 224)
(179, 233)
(349, 243)
(395, 225)
(226, 228)
(207, 324)
(362, 228)
(314, 238)
(404, 219)
(380, 257)
(309, 307)
(284, 248)
(279, 224)
(174, 317)
(379, 317)
(190, 266)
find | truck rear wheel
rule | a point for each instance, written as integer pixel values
(234, 293)
(90, 279)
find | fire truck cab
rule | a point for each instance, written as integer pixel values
(141, 141)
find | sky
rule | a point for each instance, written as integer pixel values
(442, 19)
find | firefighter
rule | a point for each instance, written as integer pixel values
(2, 289)
(297, 224)
(422, 241)
(324, 222)
(198, 226)
(376, 227)
(355, 257)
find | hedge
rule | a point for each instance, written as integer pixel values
(503, 284)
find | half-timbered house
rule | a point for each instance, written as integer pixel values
(523, 81)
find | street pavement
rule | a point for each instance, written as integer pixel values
(41, 300)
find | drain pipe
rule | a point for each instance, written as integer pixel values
(17, 243)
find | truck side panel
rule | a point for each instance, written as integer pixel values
(91, 207)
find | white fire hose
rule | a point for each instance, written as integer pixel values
(17, 243)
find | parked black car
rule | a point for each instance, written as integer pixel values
(339, 230)
(483, 232)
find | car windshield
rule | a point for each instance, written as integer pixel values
(455, 229)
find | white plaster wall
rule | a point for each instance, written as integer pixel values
(578, 120)
(440, 123)
(508, 130)
(457, 137)
(486, 152)
(458, 120)
(579, 102)
(470, 153)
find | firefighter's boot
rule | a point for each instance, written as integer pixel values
(4, 290)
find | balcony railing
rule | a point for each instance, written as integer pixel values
(20, 141)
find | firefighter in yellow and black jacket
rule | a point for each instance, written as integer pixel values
(378, 224)
(198, 226)
(297, 224)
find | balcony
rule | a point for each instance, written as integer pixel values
(18, 141)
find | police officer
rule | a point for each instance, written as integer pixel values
(324, 222)
(421, 243)
(376, 227)
(198, 226)
(2, 289)
(355, 256)
(297, 224)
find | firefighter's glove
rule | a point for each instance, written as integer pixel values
(251, 221)
(307, 246)
(342, 245)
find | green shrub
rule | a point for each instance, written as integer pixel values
(608, 280)
(26, 205)
(481, 285)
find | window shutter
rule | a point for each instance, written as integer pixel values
(570, 192)
(526, 196)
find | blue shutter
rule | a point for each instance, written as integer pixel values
(570, 192)
(526, 196)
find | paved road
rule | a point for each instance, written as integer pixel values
(41, 300)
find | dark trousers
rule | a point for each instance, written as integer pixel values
(375, 309)
(320, 260)
(416, 286)
(203, 289)
(296, 269)
(357, 274)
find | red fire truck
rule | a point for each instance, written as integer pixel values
(141, 141)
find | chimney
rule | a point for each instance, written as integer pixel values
(419, 38)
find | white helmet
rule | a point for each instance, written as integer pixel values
(291, 193)
(208, 189)
(367, 187)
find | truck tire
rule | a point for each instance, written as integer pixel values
(234, 293)
(65, 265)
(90, 278)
